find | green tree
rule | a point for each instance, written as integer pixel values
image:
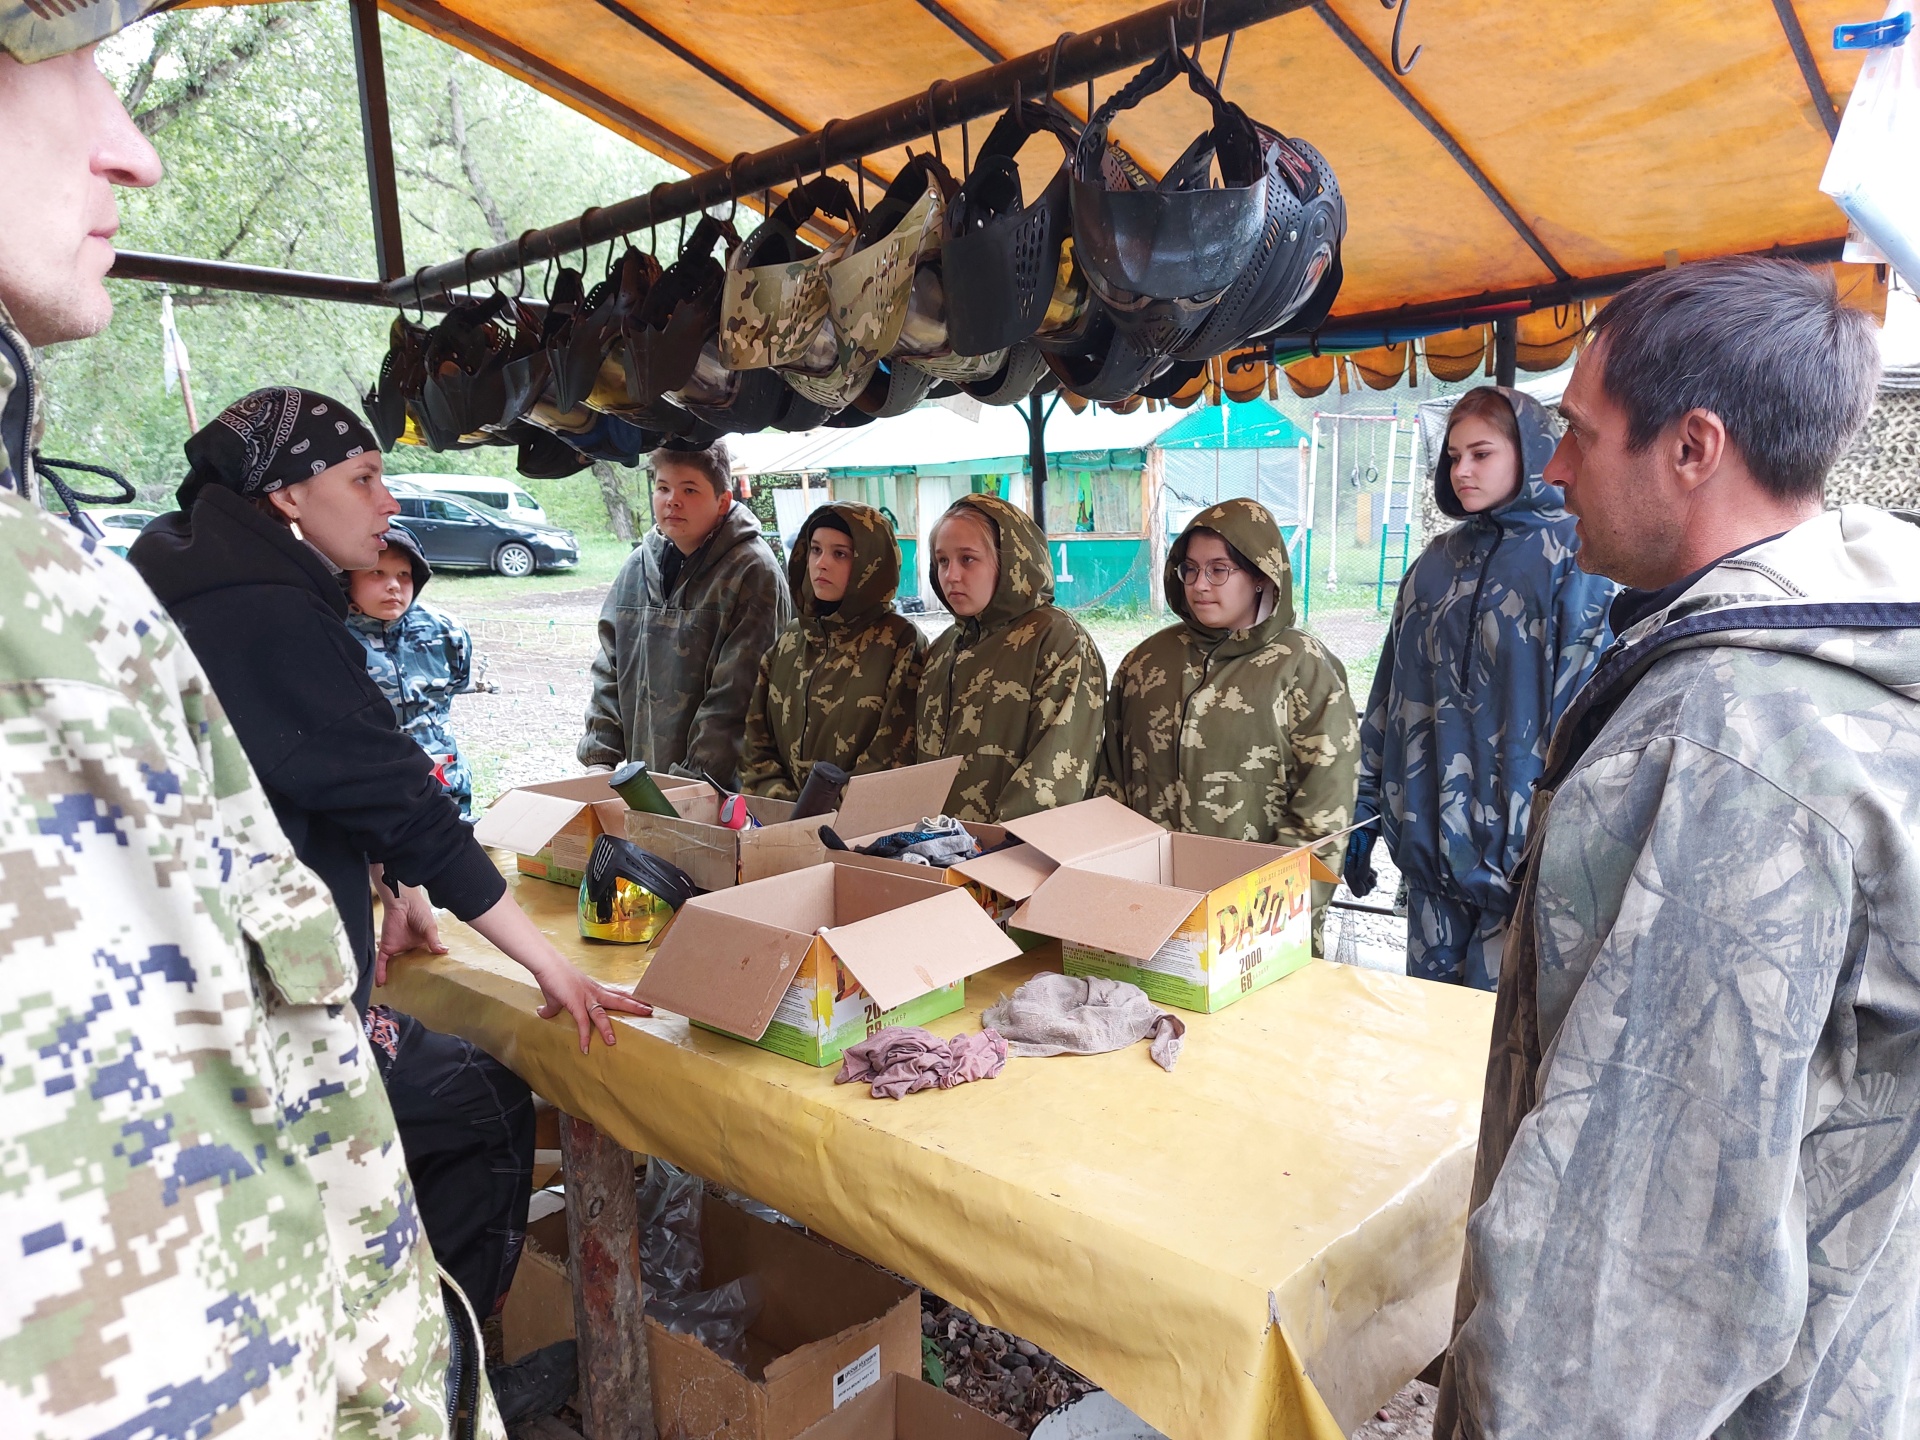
(255, 112)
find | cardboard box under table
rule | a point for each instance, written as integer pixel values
(1195, 921)
(551, 827)
(830, 1329)
(903, 1408)
(806, 964)
(717, 857)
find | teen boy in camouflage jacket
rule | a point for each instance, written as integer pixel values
(684, 628)
(206, 1211)
(1016, 689)
(840, 683)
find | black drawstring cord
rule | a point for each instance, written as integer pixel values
(72, 498)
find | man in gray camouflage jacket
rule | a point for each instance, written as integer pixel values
(205, 1216)
(1693, 1207)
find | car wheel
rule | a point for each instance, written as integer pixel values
(513, 560)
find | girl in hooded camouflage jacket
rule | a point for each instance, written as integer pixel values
(1015, 685)
(1495, 630)
(840, 682)
(1233, 722)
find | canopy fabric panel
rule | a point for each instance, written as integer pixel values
(1590, 139)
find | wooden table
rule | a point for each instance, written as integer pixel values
(1263, 1243)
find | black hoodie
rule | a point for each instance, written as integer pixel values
(267, 620)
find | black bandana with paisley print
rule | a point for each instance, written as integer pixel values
(273, 438)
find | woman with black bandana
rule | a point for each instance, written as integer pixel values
(284, 494)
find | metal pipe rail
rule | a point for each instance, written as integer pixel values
(1071, 61)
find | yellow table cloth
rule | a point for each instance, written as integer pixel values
(1261, 1245)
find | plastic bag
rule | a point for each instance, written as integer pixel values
(1873, 174)
(719, 1319)
(670, 1256)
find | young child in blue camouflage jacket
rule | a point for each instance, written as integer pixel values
(419, 657)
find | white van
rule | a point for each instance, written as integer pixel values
(502, 495)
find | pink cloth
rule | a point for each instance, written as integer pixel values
(899, 1060)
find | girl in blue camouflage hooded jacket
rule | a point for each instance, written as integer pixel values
(1495, 629)
(418, 657)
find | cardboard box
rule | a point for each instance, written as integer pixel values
(551, 827)
(901, 1407)
(1002, 880)
(806, 964)
(1195, 921)
(831, 1328)
(717, 857)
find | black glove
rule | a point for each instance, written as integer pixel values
(1358, 870)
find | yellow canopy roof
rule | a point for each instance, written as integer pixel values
(1567, 139)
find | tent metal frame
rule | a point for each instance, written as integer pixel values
(1071, 61)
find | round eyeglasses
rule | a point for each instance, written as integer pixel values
(1218, 572)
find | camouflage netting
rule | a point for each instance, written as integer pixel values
(1882, 466)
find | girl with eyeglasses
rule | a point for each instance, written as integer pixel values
(1233, 722)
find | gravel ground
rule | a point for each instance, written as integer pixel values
(1409, 1413)
(1011, 1379)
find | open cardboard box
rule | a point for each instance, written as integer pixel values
(1001, 881)
(831, 1328)
(807, 963)
(551, 827)
(1195, 921)
(717, 857)
(901, 1407)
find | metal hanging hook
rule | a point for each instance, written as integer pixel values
(520, 294)
(1401, 67)
(826, 138)
(1053, 63)
(733, 185)
(419, 295)
(1199, 33)
(586, 245)
(933, 118)
(1220, 80)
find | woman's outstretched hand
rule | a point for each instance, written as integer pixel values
(589, 1002)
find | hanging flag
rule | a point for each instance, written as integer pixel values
(173, 350)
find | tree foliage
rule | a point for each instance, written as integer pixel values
(255, 112)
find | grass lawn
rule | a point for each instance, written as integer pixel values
(600, 560)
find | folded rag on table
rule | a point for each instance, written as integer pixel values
(1066, 1014)
(899, 1060)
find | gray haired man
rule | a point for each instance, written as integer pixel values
(1693, 1210)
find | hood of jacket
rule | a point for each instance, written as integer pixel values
(224, 542)
(1838, 588)
(876, 569)
(1249, 527)
(1536, 501)
(1026, 566)
(18, 405)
